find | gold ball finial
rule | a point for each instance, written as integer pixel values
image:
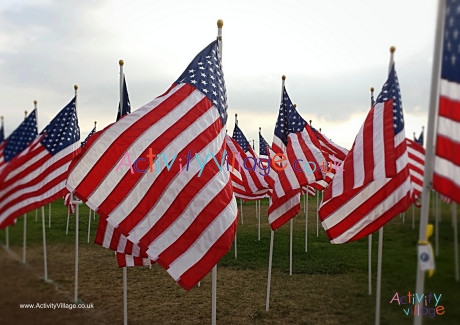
(35, 102)
(1, 117)
(295, 105)
(372, 89)
(25, 113)
(75, 87)
(392, 49)
(283, 77)
(220, 23)
(121, 62)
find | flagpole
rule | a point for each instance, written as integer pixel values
(49, 215)
(306, 220)
(429, 156)
(317, 213)
(125, 295)
(436, 220)
(45, 264)
(369, 266)
(120, 106)
(454, 221)
(24, 238)
(291, 228)
(94, 212)
(380, 247)
(220, 23)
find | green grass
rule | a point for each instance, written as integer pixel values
(345, 266)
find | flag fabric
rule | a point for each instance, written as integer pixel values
(297, 162)
(374, 184)
(156, 175)
(336, 153)
(125, 107)
(416, 156)
(88, 136)
(446, 172)
(247, 169)
(264, 147)
(37, 175)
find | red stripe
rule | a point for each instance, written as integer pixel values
(448, 149)
(368, 148)
(389, 140)
(449, 108)
(446, 187)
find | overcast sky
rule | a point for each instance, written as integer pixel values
(331, 52)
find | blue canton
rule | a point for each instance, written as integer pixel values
(289, 120)
(21, 137)
(240, 138)
(205, 74)
(263, 146)
(451, 47)
(390, 90)
(63, 130)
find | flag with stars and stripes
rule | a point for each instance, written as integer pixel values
(374, 184)
(419, 140)
(446, 172)
(125, 107)
(182, 211)
(2, 133)
(247, 171)
(37, 175)
(88, 136)
(297, 162)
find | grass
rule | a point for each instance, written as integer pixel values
(329, 284)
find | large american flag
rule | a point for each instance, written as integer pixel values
(182, 214)
(374, 185)
(446, 173)
(37, 175)
(247, 170)
(416, 156)
(295, 140)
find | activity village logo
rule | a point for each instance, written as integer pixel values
(420, 305)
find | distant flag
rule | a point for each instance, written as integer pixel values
(334, 151)
(416, 156)
(2, 131)
(264, 147)
(446, 173)
(181, 212)
(372, 97)
(299, 157)
(419, 140)
(374, 185)
(37, 176)
(89, 135)
(124, 107)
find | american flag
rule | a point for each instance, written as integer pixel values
(17, 141)
(125, 107)
(88, 136)
(374, 185)
(2, 132)
(416, 155)
(446, 173)
(335, 152)
(419, 140)
(248, 172)
(295, 141)
(264, 147)
(184, 216)
(37, 175)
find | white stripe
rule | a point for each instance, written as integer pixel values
(108, 233)
(450, 89)
(202, 245)
(378, 210)
(449, 128)
(358, 160)
(142, 143)
(447, 169)
(285, 207)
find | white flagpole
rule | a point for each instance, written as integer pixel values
(413, 218)
(77, 215)
(317, 213)
(89, 225)
(24, 239)
(45, 264)
(49, 215)
(269, 278)
(369, 266)
(241, 208)
(306, 220)
(258, 220)
(236, 244)
(430, 139)
(454, 221)
(220, 23)
(291, 228)
(7, 238)
(125, 295)
(68, 217)
(380, 248)
(436, 227)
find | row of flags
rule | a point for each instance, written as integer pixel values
(182, 214)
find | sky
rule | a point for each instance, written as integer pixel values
(331, 53)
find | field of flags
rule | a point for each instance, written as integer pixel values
(165, 179)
